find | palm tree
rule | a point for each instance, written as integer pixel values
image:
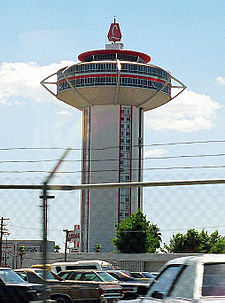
(98, 247)
(21, 251)
(57, 248)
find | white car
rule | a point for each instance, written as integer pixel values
(188, 279)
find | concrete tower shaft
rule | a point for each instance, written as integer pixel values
(111, 155)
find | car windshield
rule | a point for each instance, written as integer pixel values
(106, 277)
(49, 275)
(148, 275)
(122, 276)
(214, 279)
(10, 277)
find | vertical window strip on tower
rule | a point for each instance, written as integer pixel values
(125, 160)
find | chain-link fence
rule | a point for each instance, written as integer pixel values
(193, 201)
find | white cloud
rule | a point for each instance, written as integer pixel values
(64, 113)
(22, 81)
(188, 112)
(156, 152)
(220, 80)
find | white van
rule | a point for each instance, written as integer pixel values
(82, 264)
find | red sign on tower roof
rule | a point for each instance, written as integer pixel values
(114, 33)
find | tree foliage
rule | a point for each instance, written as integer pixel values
(195, 242)
(57, 248)
(136, 235)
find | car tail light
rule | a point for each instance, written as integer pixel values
(101, 292)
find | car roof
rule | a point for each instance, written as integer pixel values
(78, 262)
(82, 270)
(31, 269)
(205, 258)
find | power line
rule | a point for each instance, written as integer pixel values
(22, 227)
(116, 146)
(186, 228)
(186, 143)
(114, 159)
(116, 170)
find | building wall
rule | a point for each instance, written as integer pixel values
(110, 144)
(10, 256)
(132, 262)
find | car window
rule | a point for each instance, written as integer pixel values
(214, 279)
(49, 275)
(9, 276)
(64, 275)
(58, 268)
(185, 284)
(90, 277)
(22, 274)
(106, 277)
(164, 281)
(136, 275)
(70, 267)
(76, 276)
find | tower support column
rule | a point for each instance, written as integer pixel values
(110, 155)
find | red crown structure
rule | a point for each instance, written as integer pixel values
(114, 33)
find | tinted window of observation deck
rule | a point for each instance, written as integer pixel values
(112, 67)
(100, 57)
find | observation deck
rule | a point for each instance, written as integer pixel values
(106, 77)
(113, 76)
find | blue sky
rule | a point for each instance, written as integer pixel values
(184, 37)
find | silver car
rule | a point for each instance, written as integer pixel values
(190, 279)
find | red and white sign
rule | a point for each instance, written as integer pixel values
(114, 33)
(74, 236)
(8, 247)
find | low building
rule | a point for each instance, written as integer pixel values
(10, 251)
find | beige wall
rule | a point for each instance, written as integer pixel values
(132, 262)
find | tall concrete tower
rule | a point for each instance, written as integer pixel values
(113, 87)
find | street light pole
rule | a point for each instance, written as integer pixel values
(2, 232)
(67, 234)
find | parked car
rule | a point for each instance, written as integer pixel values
(188, 279)
(81, 264)
(47, 266)
(154, 273)
(132, 287)
(72, 291)
(35, 275)
(144, 275)
(13, 289)
(87, 275)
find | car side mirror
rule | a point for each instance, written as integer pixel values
(157, 294)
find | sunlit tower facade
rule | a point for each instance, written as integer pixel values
(113, 87)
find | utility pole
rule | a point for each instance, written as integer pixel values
(2, 232)
(67, 239)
